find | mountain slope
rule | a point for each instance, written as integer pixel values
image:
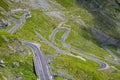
(78, 37)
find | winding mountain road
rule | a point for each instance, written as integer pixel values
(41, 67)
(102, 66)
(110, 52)
(65, 35)
(40, 62)
(107, 40)
(19, 22)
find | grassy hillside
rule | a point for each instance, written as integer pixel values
(14, 64)
(4, 5)
(79, 37)
(106, 15)
(80, 16)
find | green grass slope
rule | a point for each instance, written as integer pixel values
(4, 5)
(14, 65)
(81, 16)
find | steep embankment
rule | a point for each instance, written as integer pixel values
(80, 40)
(74, 35)
(15, 59)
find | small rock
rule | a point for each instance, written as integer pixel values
(1, 61)
(15, 64)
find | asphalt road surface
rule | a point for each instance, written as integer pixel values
(19, 22)
(102, 66)
(41, 67)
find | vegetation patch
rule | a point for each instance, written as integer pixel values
(77, 68)
(114, 50)
(66, 3)
(17, 15)
(13, 63)
(38, 22)
(4, 5)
